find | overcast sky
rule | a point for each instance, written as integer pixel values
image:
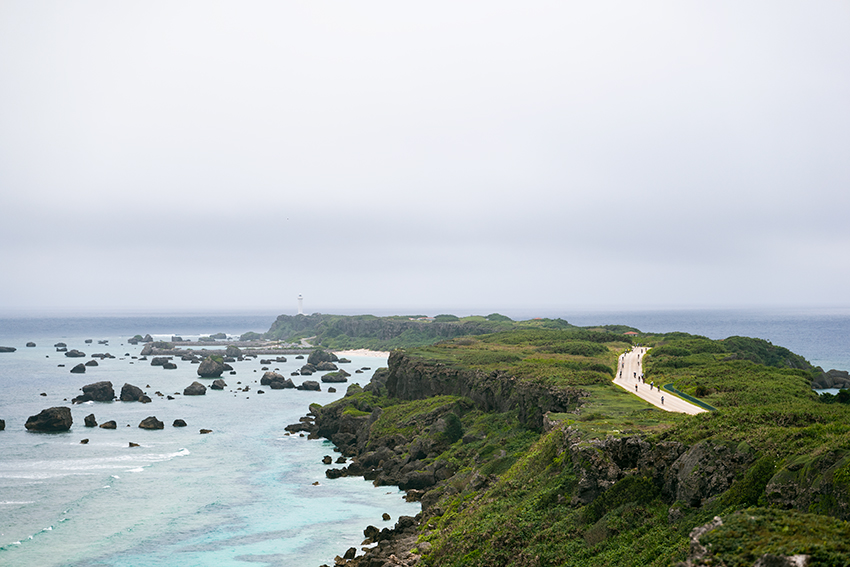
(443, 156)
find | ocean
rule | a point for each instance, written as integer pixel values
(241, 495)
(245, 494)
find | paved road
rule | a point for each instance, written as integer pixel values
(630, 366)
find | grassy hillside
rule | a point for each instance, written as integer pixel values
(619, 482)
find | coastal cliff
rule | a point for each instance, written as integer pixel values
(515, 468)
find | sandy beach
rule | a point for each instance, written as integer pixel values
(363, 352)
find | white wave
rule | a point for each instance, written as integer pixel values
(64, 467)
(16, 503)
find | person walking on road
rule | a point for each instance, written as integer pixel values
(662, 400)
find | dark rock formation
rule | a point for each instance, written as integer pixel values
(60, 345)
(307, 369)
(109, 425)
(147, 339)
(169, 365)
(334, 377)
(325, 366)
(79, 369)
(195, 389)
(310, 385)
(90, 420)
(282, 384)
(178, 423)
(218, 384)
(270, 377)
(205, 431)
(159, 360)
(30, 344)
(233, 351)
(211, 368)
(51, 419)
(2, 425)
(176, 339)
(7, 349)
(91, 363)
(130, 393)
(97, 392)
(151, 422)
(84, 441)
(133, 444)
(832, 379)
(320, 355)
(74, 353)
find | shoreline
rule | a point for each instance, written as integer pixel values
(363, 352)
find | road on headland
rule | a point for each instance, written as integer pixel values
(629, 371)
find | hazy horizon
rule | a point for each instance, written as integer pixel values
(536, 157)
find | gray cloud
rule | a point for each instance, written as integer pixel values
(546, 155)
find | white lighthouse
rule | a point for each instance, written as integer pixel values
(300, 305)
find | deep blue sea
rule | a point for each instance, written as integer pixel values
(243, 495)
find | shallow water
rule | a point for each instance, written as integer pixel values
(242, 495)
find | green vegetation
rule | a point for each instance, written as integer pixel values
(598, 486)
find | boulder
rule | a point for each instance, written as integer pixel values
(2, 425)
(195, 389)
(176, 339)
(30, 344)
(320, 355)
(299, 357)
(96, 392)
(307, 369)
(109, 425)
(60, 345)
(270, 377)
(210, 368)
(344, 361)
(91, 363)
(218, 384)
(310, 385)
(178, 423)
(336, 377)
(169, 366)
(151, 423)
(79, 369)
(159, 360)
(205, 431)
(282, 384)
(51, 419)
(323, 366)
(74, 353)
(133, 444)
(147, 339)
(233, 351)
(147, 350)
(90, 420)
(84, 441)
(130, 393)
(7, 349)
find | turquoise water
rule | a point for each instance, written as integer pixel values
(242, 495)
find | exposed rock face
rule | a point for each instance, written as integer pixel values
(195, 389)
(147, 350)
(109, 425)
(178, 423)
(320, 355)
(211, 368)
(2, 425)
(30, 344)
(169, 365)
(7, 349)
(90, 420)
(334, 377)
(310, 385)
(325, 366)
(51, 419)
(307, 369)
(416, 379)
(91, 363)
(97, 392)
(79, 369)
(74, 353)
(833, 379)
(130, 393)
(218, 385)
(159, 360)
(151, 423)
(147, 339)
(270, 377)
(233, 351)
(282, 384)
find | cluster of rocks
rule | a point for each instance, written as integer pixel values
(394, 546)
(832, 379)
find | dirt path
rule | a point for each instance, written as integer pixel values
(628, 377)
